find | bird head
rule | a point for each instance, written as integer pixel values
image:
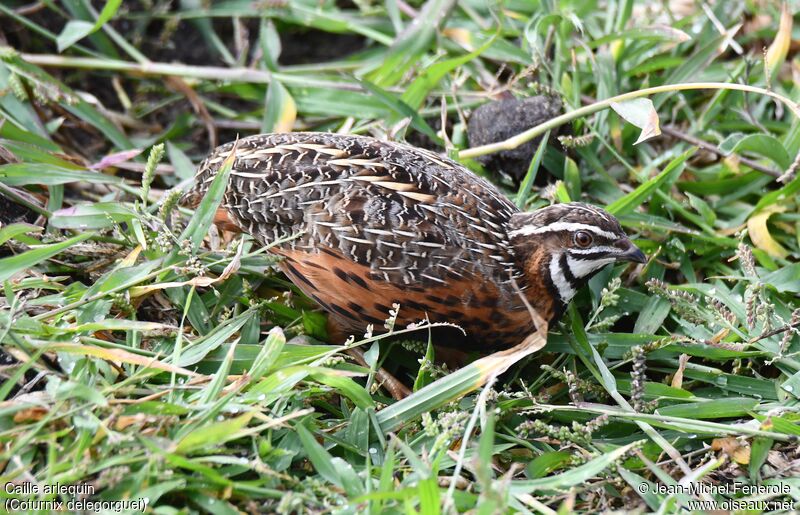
(566, 244)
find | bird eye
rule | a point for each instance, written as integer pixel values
(583, 239)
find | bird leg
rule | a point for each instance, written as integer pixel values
(394, 386)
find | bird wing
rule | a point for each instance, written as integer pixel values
(412, 217)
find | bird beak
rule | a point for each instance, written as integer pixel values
(630, 252)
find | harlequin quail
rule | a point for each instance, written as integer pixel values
(383, 223)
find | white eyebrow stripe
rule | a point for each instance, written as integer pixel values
(565, 289)
(563, 226)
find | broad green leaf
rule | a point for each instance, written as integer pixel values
(561, 193)
(403, 110)
(572, 477)
(643, 488)
(782, 424)
(280, 112)
(204, 214)
(548, 462)
(201, 347)
(415, 94)
(654, 390)
(658, 63)
(409, 46)
(75, 30)
(23, 174)
(786, 279)
(154, 492)
(318, 456)
(11, 265)
(642, 193)
(652, 316)
(702, 207)
(70, 390)
(572, 176)
(184, 168)
(270, 350)
(345, 385)
(780, 195)
(211, 435)
(533, 169)
(763, 145)
(212, 390)
(424, 376)
(120, 355)
(690, 67)
(759, 451)
(716, 408)
(649, 33)
(114, 324)
(88, 113)
(91, 216)
(330, 102)
(108, 12)
(11, 231)
(246, 356)
(792, 385)
(455, 385)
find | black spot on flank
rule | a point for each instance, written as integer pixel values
(490, 302)
(451, 300)
(313, 265)
(416, 305)
(371, 319)
(321, 302)
(433, 298)
(298, 275)
(343, 311)
(482, 324)
(498, 317)
(355, 307)
(330, 252)
(341, 274)
(381, 308)
(358, 280)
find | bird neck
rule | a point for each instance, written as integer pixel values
(541, 281)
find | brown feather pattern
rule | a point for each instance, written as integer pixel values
(383, 223)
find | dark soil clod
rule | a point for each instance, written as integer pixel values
(11, 212)
(502, 119)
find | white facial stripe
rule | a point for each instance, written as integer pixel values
(565, 289)
(582, 267)
(563, 226)
(595, 250)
